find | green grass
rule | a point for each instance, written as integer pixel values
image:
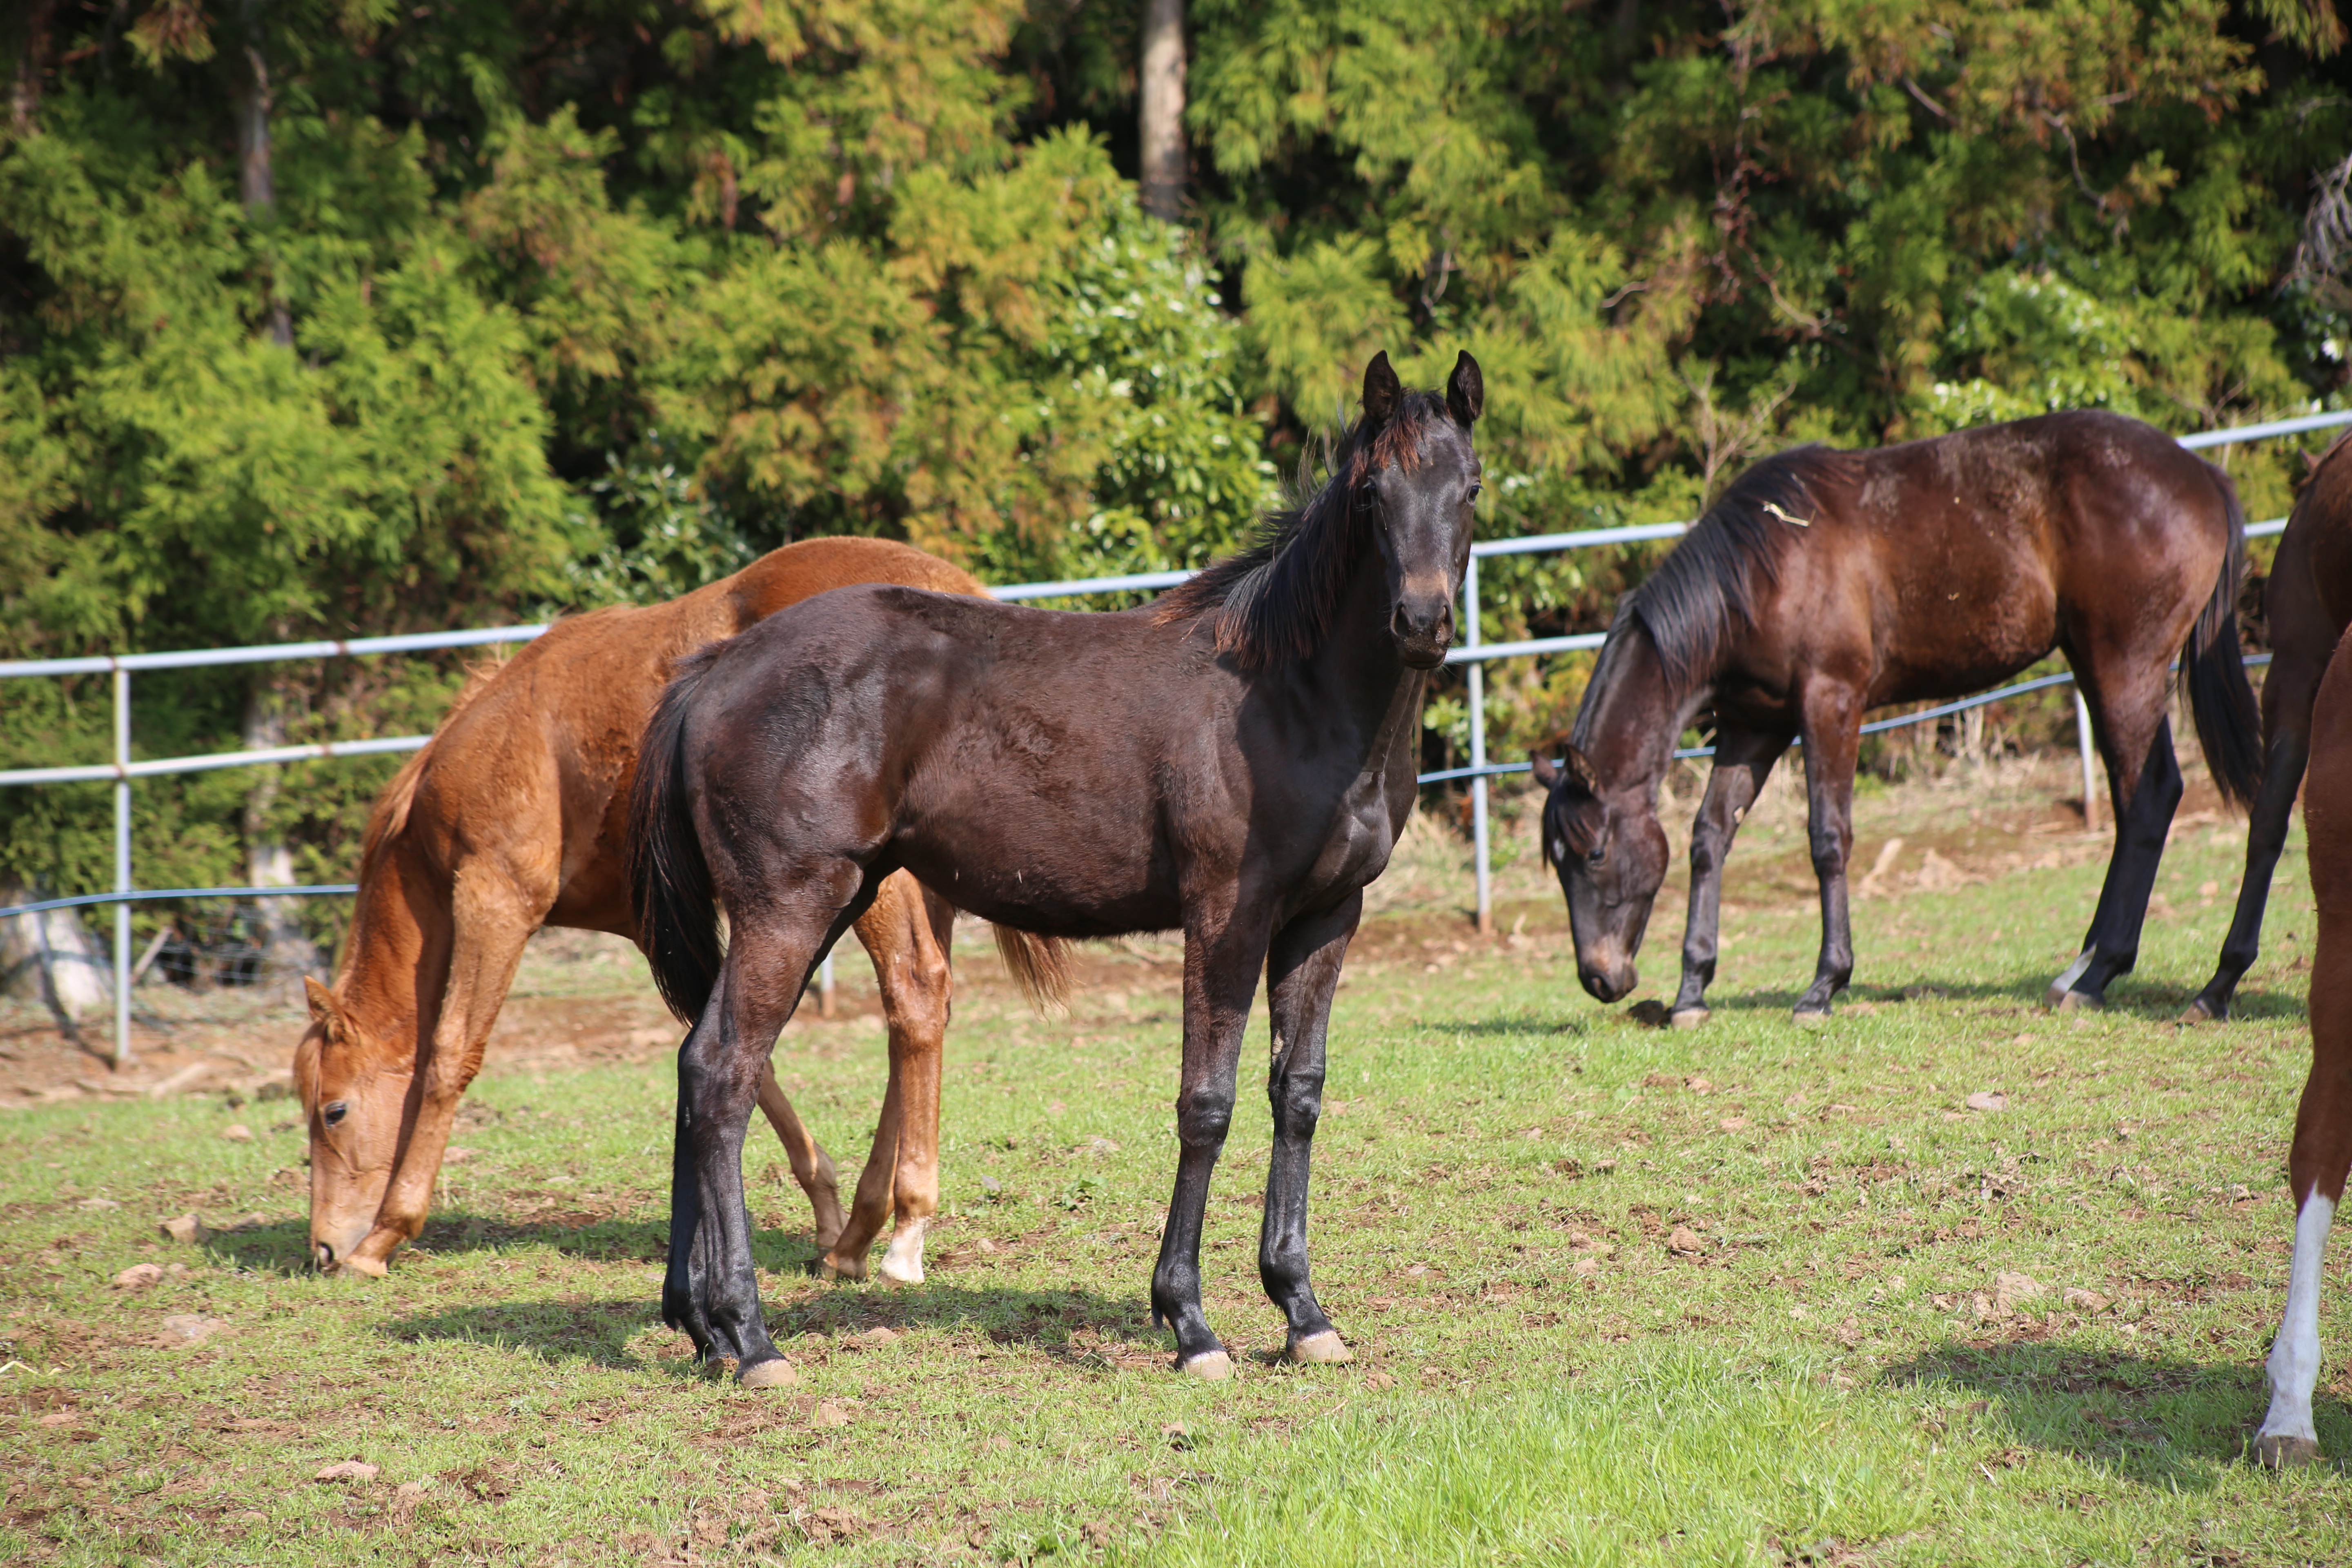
(1501, 1167)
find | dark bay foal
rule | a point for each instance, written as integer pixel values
(1824, 583)
(1235, 761)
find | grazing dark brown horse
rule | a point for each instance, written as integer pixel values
(1237, 759)
(1824, 584)
(2322, 1152)
(2306, 604)
(512, 819)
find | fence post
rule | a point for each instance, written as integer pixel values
(824, 986)
(2082, 738)
(1477, 747)
(122, 867)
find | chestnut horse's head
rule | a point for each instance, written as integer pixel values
(356, 1097)
(1609, 852)
(1423, 480)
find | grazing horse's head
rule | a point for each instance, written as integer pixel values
(1421, 478)
(1610, 854)
(357, 1100)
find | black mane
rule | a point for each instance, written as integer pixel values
(1704, 591)
(1274, 598)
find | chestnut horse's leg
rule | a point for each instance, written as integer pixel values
(493, 915)
(812, 1166)
(1223, 955)
(2143, 800)
(1833, 719)
(2301, 638)
(907, 932)
(1302, 972)
(1743, 761)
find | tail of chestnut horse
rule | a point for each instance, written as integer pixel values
(2213, 668)
(669, 881)
(670, 885)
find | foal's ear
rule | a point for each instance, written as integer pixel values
(325, 1011)
(1382, 390)
(1466, 391)
(1546, 771)
(1579, 768)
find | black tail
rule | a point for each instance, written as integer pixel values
(2214, 668)
(669, 879)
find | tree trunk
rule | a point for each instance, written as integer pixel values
(24, 92)
(257, 180)
(52, 958)
(1163, 122)
(287, 955)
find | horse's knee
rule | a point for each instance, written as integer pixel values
(1203, 1116)
(1297, 1097)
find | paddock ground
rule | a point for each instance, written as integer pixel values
(1748, 1294)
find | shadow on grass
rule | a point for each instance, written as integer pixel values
(600, 1331)
(2158, 1420)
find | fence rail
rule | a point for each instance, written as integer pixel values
(1473, 653)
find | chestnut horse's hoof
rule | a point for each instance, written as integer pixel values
(775, 1374)
(1326, 1348)
(847, 1271)
(361, 1263)
(902, 1262)
(1688, 1017)
(1210, 1366)
(2282, 1452)
(2072, 1001)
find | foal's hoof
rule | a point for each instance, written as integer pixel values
(1688, 1017)
(1326, 1348)
(2280, 1452)
(1812, 1018)
(1210, 1366)
(2201, 1012)
(2072, 1001)
(775, 1374)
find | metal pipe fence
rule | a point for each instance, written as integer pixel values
(1473, 651)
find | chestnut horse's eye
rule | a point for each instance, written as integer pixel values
(334, 1113)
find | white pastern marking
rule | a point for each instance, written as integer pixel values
(2074, 970)
(904, 1260)
(2295, 1356)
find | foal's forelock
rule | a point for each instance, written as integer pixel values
(1274, 599)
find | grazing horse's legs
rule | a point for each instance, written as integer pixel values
(812, 1166)
(2315, 1171)
(492, 913)
(1833, 716)
(1223, 955)
(908, 932)
(1743, 761)
(1302, 972)
(2129, 724)
(2301, 638)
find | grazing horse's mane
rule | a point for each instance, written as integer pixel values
(1276, 597)
(1706, 590)
(390, 813)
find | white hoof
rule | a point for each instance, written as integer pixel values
(776, 1373)
(2281, 1451)
(1688, 1017)
(1324, 1349)
(1215, 1366)
(902, 1263)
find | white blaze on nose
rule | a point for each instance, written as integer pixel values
(2294, 1357)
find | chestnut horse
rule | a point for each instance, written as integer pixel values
(2322, 1152)
(513, 818)
(2306, 604)
(1824, 584)
(1237, 759)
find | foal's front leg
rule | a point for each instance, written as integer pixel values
(1832, 742)
(1743, 761)
(1222, 959)
(1302, 972)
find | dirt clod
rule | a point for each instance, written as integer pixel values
(348, 1471)
(138, 1277)
(188, 1229)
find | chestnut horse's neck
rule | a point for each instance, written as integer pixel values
(1631, 716)
(396, 958)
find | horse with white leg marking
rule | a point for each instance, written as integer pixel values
(1826, 584)
(1236, 761)
(2322, 1152)
(511, 819)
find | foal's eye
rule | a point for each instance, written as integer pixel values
(334, 1113)
(1475, 489)
(1600, 853)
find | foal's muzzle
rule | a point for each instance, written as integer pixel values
(1424, 630)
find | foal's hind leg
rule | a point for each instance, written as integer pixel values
(2144, 799)
(1832, 718)
(1743, 761)
(812, 1166)
(907, 932)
